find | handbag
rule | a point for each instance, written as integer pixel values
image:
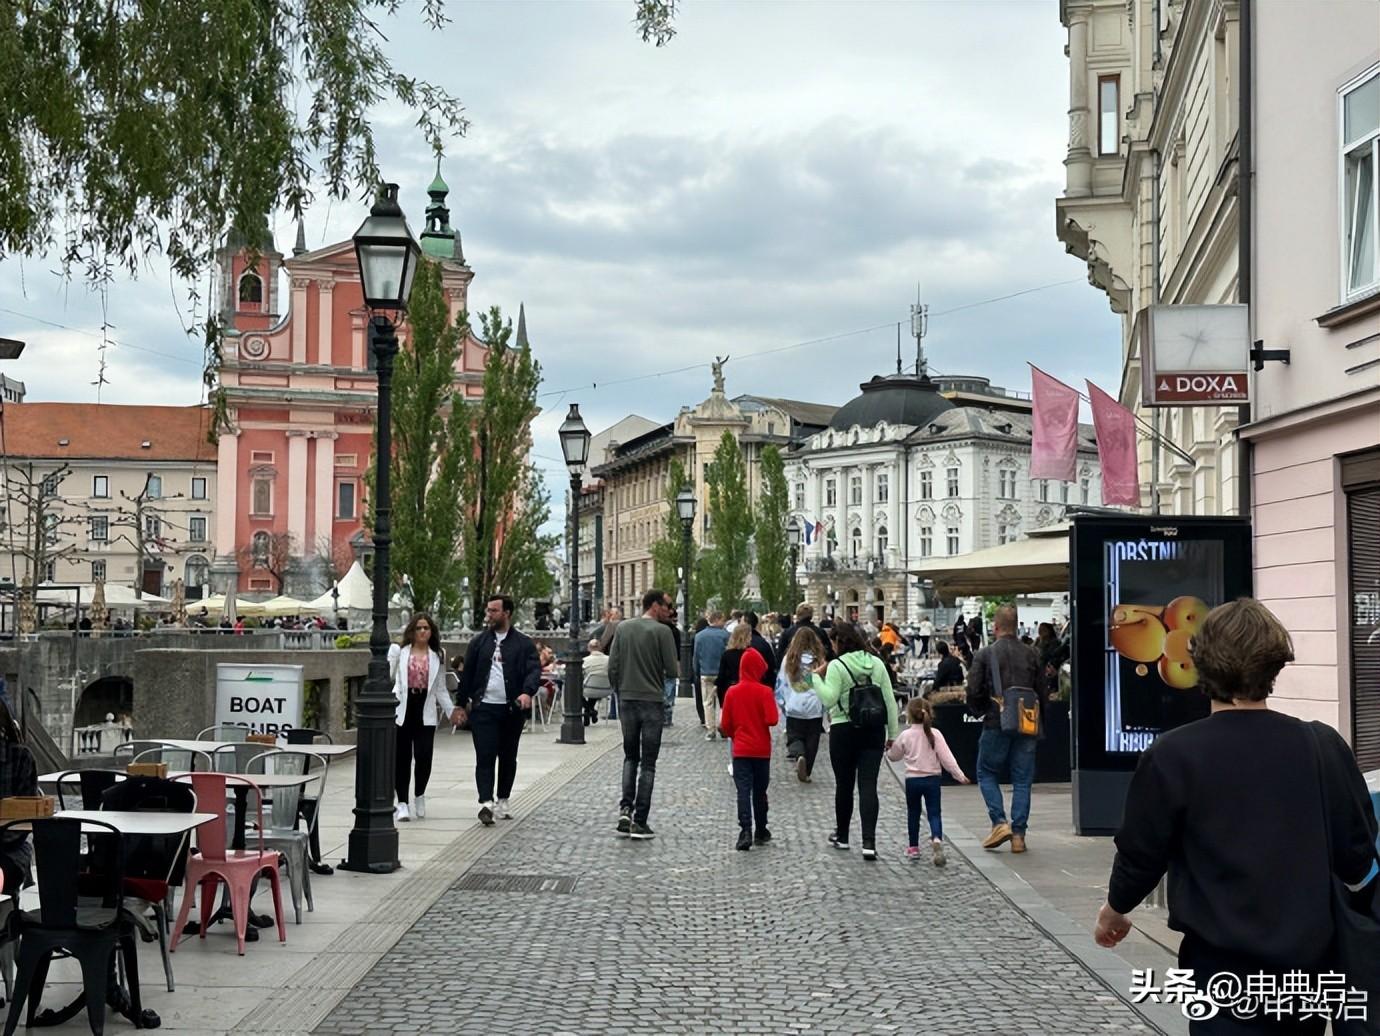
(1356, 939)
(1020, 706)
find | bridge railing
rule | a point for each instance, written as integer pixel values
(100, 738)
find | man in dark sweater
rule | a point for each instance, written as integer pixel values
(804, 619)
(1236, 808)
(642, 659)
(1015, 665)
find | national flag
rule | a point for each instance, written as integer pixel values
(1116, 449)
(819, 530)
(1054, 442)
(809, 532)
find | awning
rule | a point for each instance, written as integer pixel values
(1039, 562)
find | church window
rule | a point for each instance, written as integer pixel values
(251, 290)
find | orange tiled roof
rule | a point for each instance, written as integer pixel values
(107, 431)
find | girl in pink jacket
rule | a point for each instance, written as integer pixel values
(926, 753)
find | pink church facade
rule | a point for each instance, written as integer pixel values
(301, 396)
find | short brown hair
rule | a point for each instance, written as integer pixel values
(804, 613)
(1239, 650)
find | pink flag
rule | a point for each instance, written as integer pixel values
(1116, 449)
(1054, 445)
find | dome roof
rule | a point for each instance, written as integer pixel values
(900, 399)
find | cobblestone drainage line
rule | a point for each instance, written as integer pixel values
(1100, 964)
(314, 990)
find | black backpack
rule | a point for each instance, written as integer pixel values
(866, 704)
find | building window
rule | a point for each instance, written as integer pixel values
(1005, 533)
(881, 541)
(1044, 490)
(153, 488)
(196, 528)
(50, 571)
(197, 572)
(1063, 492)
(926, 541)
(1006, 484)
(98, 571)
(855, 544)
(198, 488)
(50, 529)
(800, 496)
(261, 502)
(153, 527)
(927, 485)
(100, 487)
(50, 485)
(251, 290)
(831, 495)
(1108, 115)
(855, 490)
(345, 500)
(100, 529)
(1361, 179)
(953, 481)
(883, 488)
(953, 540)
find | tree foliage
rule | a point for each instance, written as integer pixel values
(500, 495)
(271, 552)
(731, 524)
(774, 575)
(429, 441)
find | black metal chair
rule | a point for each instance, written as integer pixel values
(154, 864)
(309, 805)
(92, 784)
(79, 912)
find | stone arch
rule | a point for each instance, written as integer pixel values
(251, 289)
(110, 695)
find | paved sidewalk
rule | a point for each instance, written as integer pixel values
(290, 987)
(685, 935)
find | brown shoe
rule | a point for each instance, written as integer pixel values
(1018, 843)
(1001, 834)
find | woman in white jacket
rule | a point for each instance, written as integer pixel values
(419, 687)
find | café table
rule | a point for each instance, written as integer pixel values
(327, 752)
(127, 822)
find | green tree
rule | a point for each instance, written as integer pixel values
(428, 449)
(774, 574)
(667, 550)
(730, 525)
(500, 496)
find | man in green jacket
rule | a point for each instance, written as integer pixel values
(641, 659)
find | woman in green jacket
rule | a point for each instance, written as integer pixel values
(855, 755)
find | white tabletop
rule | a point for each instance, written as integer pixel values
(67, 777)
(325, 751)
(139, 823)
(263, 780)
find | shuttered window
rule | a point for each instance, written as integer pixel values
(1361, 481)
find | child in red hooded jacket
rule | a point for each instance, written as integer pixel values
(748, 714)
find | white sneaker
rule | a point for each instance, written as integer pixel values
(400, 814)
(730, 769)
(501, 810)
(419, 806)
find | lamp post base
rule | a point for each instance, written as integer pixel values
(573, 718)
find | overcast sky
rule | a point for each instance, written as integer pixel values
(781, 172)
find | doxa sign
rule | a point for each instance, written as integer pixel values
(1199, 387)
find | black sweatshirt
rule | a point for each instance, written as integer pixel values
(1231, 806)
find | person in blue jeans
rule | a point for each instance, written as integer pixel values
(1016, 665)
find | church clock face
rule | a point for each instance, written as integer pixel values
(1194, 355)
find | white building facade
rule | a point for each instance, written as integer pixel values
(906, 472)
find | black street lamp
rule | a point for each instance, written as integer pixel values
(575, 446)
(685, 508)
(793, 536)
(388, 255)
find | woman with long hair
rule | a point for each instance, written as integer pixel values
(795, 689)
(419, 687)
(855, 753)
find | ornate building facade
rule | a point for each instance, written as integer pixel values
(914, 469)
(300, 391)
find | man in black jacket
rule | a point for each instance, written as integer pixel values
(804, 619)
(499, 698)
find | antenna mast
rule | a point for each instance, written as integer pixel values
(919, 324)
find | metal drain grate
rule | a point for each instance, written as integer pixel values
(557, 883)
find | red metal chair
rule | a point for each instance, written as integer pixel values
(238, 868)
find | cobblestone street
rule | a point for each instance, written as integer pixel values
(684, 935)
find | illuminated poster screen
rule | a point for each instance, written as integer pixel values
(1141, 587)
